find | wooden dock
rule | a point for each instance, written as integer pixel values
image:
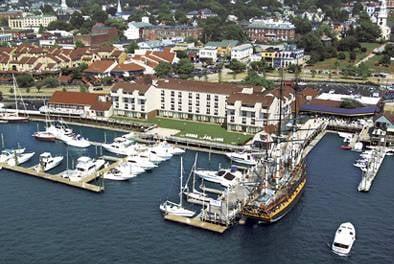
(84, 184)
(196, 222)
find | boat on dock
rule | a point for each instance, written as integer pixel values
(120, 145)
(44, 136)
(19, 158)
(344, 239)
(123, 172)
(224, 177)
(48, 162)
(76, 140)
(141, 161)
(85, 166)
(370, 165)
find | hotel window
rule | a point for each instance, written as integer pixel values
(179, 108)
(244, 120)
(197, 110)
(216, 98)
(190, 109)
(198, 103)
(208, 111)
(180, 94)
(198, 96)
(252, 121)
(208, 97)
(162, 100)
(172, 93)
(143, 108)
(216, 112)
(117, 105)
(162, 106)
(125, 100)
(162, 93)
(172, 107)
(190, 95)
(132, 107)
(232, 119)
(126, 106)
(190, 102)
(172, 100)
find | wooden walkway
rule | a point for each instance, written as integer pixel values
(196, 222)
(55, 178)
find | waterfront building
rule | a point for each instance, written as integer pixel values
(135, 99)
(270, 30)
(242, 52)
(283, 56)
(223, 47)
(208, 53)
(254, 109)
(86, 105)
(30, 22)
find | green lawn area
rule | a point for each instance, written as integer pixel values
(198, 128)
(373, 64)
(330, 63)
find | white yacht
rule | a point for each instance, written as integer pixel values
(48, 162)
(120, 146)
(5, 156)
(85, 166)
(344, 239)
(224, 177)
(141, 161)
(152, 157)
(171, 208)
(242, 158)
(161, 152)
(122, 173)
(77, 141)
(60, 132)
(170, 148)
(19, 158)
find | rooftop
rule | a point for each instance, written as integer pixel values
(79, 98)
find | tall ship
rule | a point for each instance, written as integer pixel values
(281, 175)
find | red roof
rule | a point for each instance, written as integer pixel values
(130, 67)
(99, 66)
(80, 99)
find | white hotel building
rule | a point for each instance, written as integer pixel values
(241, 108)
(29, 22)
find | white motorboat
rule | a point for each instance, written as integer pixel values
(171, 208)
(119, 174)
(44, 136)
(160, 152)
(360, 165)
(60, 132)
(141, 161)
(17, 159)
(48, 162)
(5, 156)
(224, 177)
(85, 166)
(242, 158)
(120, 146)
(152, 157)
(170, 148)
(344, 239)
(77, 141)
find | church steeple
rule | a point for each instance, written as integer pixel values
(63, 5)
(119, 9)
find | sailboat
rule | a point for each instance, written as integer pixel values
(281, 176)
(15, 117)
(172, 208)
(45, 135)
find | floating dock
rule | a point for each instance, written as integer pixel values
(196, 222)
(84, 183)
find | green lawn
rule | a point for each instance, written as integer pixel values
(198, 128)
(330, 63)
(373, 64)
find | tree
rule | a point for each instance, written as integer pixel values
(76, 20)
(236, 66)
(258, 66)
(184, 67)
(59, 25)
(82, 89)
(132, 47)
(254, 79)
(302, 26)
(48, 10)
(341, 56)
(349, 43)
(79, 44)
(25, 80)
(366, 31)
(99, 16)
(180, 17)
(385, 60)
(181, 54)
(353, 56)
(163, 69)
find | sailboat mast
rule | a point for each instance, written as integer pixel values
(280, 107)
(181, 186)
(16, 101)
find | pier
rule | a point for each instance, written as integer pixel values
(83, 184)
(196, 222)
(372, 168)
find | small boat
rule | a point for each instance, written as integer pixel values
(120, 146)
(346, 147)
(171, 208)
(224, 177)
(77, 141)
(152, 157)
(5, 156)
(47, 162)
(160, 152)
(60, 132)
(344, 239)
(117, 174)
(171, 149)
(242, 158)
(17, 159)
(44, 136)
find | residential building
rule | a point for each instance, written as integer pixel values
(270, 31)
(86, 105)
(201, 14)
(280, 56)
(168, 32)
(30, 22)
(208, 53)
(100, 35)
(100, 68)
(242, 52)
(135, 30)
(127, 70)
(223, 47)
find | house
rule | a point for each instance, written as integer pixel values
(223, 47)
(135, 30)
(127, 70)
(242, 52)
(280, 56)
(86, 105)
(208, 53)
(100, 69)
(168, 32)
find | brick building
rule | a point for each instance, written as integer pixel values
(269, 31)
(167, 32)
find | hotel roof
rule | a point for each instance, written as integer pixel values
(79, 98)
(197, 86)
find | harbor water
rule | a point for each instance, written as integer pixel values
(45, 222)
